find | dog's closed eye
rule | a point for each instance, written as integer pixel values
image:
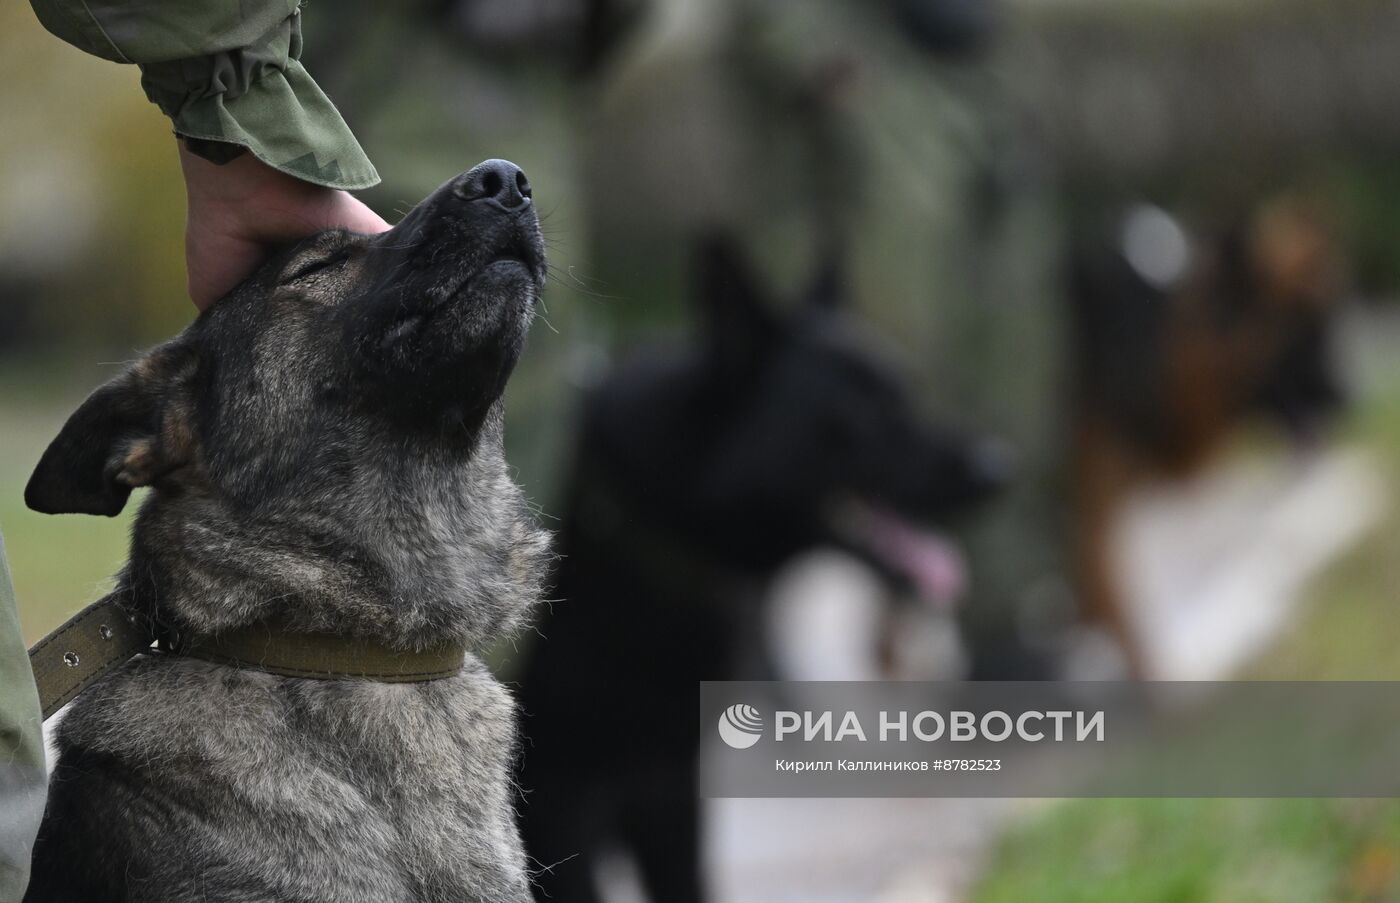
(318, 264)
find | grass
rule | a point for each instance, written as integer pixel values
(1202, 851)
(1250, 851)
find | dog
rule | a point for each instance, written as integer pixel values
(1180, 340)
(323, 448)
(699, 472)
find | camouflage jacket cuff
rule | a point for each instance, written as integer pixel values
(260, 98)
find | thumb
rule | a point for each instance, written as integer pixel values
(351, 213)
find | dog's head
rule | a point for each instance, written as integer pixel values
(329, 434)
(789, 428)
(1185, 333)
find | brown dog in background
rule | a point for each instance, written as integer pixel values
(1178, 343)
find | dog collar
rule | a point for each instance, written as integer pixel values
(105, 635)
(87, 646)
(268, 646)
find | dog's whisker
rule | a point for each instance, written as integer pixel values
(567, 279)
(549, 869)
(545, 320)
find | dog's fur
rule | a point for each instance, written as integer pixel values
(699, 472)
(323, 447)
(1166, 374)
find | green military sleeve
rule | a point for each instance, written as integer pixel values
(228, 74)
(22, 776)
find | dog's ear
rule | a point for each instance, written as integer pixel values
(129, 433)
(737, 322)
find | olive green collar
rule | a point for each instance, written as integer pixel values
(105, 635)
(323, 656)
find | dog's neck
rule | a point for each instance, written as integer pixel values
(410, 563)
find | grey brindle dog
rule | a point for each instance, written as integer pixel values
(324, 447)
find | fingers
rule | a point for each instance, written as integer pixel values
(239, 211)
(356, 217)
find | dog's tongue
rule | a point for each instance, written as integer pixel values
(930, 562)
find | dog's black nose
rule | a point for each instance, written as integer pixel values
(497, 182)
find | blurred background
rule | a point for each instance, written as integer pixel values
(1029, 339)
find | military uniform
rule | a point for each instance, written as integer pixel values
(22, 776)
(228, 74)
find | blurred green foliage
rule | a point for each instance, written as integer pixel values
(91, 203)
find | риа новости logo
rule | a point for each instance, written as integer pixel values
(740, 726)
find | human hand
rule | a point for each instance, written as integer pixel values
(237, 210)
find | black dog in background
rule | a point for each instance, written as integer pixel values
(699, 472)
